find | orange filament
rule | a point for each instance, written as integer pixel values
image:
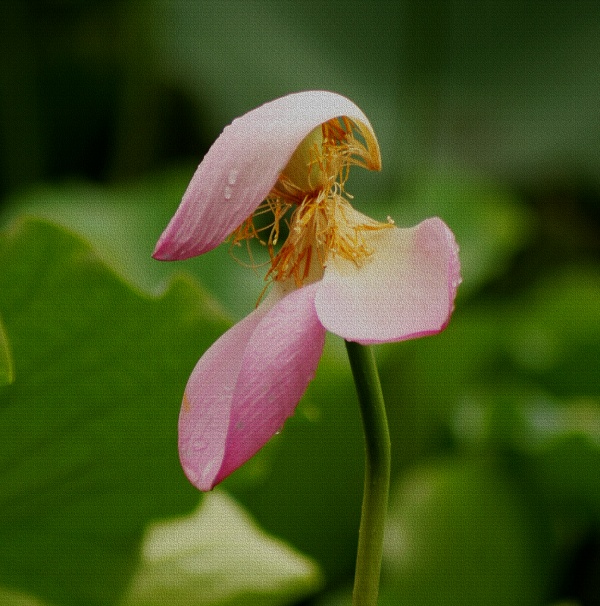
(322, 223)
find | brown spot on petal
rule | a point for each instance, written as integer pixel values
(187, 407)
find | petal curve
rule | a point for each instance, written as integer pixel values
(246, 385)
(207, 401)
(404, 290)
(243, 164)
(279, 362)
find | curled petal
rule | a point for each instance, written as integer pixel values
(244, 163)
(246, 385)
(404, 289)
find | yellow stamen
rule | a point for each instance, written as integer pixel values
(322, 223)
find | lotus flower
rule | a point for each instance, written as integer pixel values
(330, 268)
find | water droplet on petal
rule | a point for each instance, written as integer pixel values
(199, 444)
(228, 192)
(233, 175)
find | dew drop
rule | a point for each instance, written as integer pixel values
(228, 193)
(233, 175)
(199, 445)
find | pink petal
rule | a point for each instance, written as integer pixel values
(404, 290)
(206, 408)
(244, 163)
(246, 386)
(279, 363)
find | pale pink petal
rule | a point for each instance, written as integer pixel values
(278, 364)
(206, 408)
(405, 289)
(244, 163)
(246, 385)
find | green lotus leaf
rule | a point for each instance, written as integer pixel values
(88, 454)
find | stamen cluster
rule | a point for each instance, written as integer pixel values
(315, 208)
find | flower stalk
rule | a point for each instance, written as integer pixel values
(377, 474)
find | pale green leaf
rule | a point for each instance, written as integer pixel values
(218, 556)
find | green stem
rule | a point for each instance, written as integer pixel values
(377, 474)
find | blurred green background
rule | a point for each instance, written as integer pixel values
(487, 115)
